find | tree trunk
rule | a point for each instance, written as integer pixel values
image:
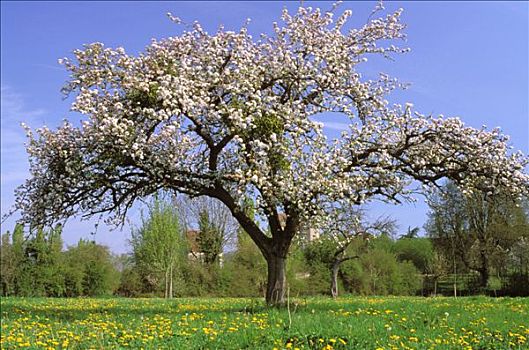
(455, 273)
(483, 277)
(334, 279)
(455, 285)
(274, 249)
(166, 284)
(171, 282)
(276, 286)
(484, 270)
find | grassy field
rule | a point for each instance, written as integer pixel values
(314, 323)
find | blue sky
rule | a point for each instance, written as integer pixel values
(468, 59)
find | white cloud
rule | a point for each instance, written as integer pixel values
(13, 157)
(14, 108)
(13, 154)
(15, 170)
(336, 126)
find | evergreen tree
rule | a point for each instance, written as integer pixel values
(210, 239)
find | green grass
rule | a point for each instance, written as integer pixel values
(314, 323)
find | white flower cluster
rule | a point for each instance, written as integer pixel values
(227, 116)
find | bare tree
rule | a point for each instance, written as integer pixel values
(437, 268)
(474, 228)
(213, 222)
(344, 225)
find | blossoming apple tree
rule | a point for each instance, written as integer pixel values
(231, 117)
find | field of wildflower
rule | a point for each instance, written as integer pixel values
(312, 323)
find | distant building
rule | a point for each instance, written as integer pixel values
(307, 233)
(310, 233)
(191, 236)
(194, 250)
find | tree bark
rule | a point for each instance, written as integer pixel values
(484, 269)
(455, 286)
(334, 278)
(335, 269)
(276, 252)
(277, 281)
(483, 277)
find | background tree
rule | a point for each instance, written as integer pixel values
(131, 283)
(319, 257)
(8, 266)
(19, 257)
(90, 270)
(516, 282)
(215, 224)
(439, 266)
(518, 255)
(411, 233)
(74, 271)
(447, 227)
(228, 117)
(417, 250)
(209, 239)
(159, 245)
(478, 229)
(42, 265)
(377, 271)
(344, 224)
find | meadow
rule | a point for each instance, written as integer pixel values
(313, 323)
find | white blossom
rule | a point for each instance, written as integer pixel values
(227, 116)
